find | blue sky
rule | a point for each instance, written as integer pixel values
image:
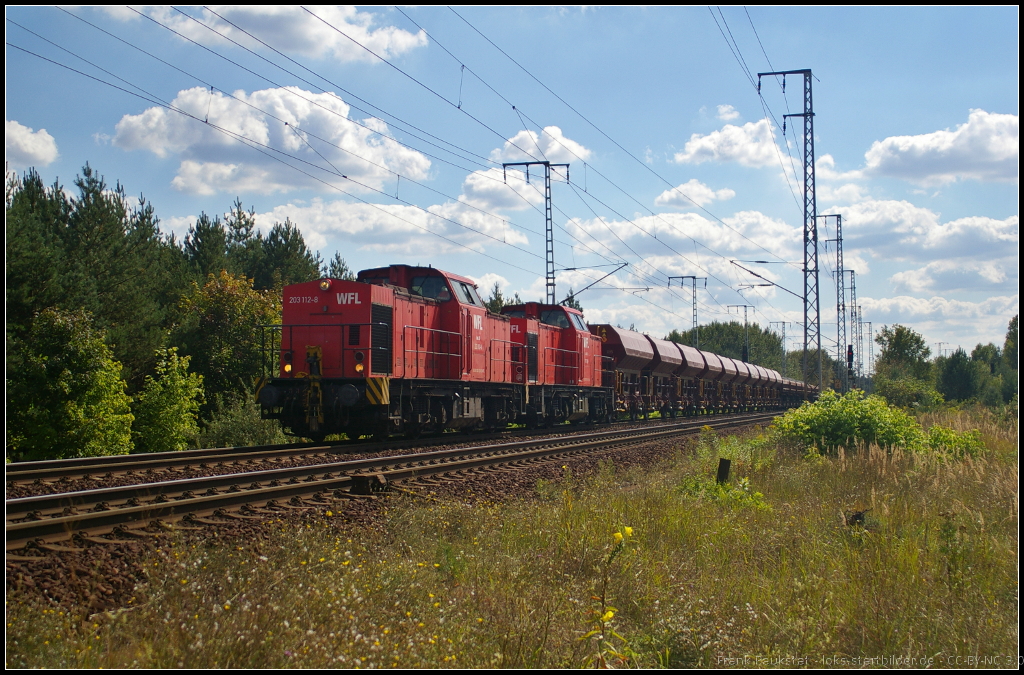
(916, 138)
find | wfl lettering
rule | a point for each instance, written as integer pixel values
(348, 299)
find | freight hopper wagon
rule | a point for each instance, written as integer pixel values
(648, 374)
(410, 350)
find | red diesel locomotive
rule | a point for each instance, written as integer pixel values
(411, 350)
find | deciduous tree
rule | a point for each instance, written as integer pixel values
(218, 329)
(167, 409)
(65, 395)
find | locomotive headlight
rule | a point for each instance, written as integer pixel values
(359, 367)
(325, 284)
(287, 367)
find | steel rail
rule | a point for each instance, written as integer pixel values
(53, 471)
(35, 526)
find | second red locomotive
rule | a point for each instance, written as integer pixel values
(410, 350)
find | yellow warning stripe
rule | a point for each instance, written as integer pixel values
(378, 390)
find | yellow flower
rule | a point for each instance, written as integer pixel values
(618, 537)
(608, 616)
(628, 531)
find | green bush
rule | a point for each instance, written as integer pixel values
(954, 443)
(907, 392)
(167, 409)
(65, 395)
(236, 422)
(835, 421)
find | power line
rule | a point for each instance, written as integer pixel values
(243, 139)
(323, 140)
(616, 143)
(417, 81)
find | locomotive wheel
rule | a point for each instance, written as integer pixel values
(532, 418)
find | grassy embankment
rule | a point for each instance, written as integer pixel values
(767, 568)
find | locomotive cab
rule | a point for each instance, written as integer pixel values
(562, 355)
(402, 349)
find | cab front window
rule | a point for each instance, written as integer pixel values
(435, 288)
(554, 317)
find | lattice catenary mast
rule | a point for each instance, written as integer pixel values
(841, 343)
(812, 301)
(549, 238)
(694, 279)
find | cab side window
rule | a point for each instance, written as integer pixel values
(465, 293)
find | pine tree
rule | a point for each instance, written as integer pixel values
(339, 269)
(286, 258)
(206, 247)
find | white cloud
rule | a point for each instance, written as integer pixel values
(178, 225)
(698, 193)
(976, 235)
(213, 161)
(727, 113)
(752, 144)
(939, 318)
(825, 169)
(898, 230)
(986, 147)
(394, 229)
(550, 145)
(658, 235)
(492, 190)
(960, 275)
(844, 194)
(486, 283)
(291, 30)
(24, 147)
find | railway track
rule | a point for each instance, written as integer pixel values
(157, 466)
(119, 514)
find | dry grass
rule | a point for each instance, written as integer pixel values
(708, 578)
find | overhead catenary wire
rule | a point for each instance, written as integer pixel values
(518, 110)
(271, 152)
(425, 87)
(614, 142)
(737, 53)
(395, 173)
(307, 132)
(571, 151)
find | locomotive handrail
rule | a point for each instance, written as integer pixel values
(574, 366)
(514, 345)
(416, 350)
